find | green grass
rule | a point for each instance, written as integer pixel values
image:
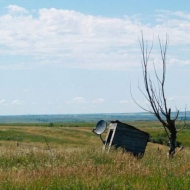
(73, 159)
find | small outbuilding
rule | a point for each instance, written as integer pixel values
(127, 137)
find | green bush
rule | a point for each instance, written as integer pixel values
(161, 138)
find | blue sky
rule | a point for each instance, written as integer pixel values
(80, 56)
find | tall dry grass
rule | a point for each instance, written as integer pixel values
(89, 167)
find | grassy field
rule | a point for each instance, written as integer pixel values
(70, 156)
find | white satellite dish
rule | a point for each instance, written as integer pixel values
(100, 128)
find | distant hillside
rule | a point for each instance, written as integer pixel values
(143, 116)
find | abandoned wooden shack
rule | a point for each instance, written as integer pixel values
(127, 137)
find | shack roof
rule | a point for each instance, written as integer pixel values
(127, 126)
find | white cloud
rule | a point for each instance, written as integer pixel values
(82, 100)
(77, 100)
(98, 101)
(171, 99)
(74, 39)
(124, 102)
(179, 98)
(12, 9)
(17, 102)
(3, 101)
(179, 62)
(176, 14)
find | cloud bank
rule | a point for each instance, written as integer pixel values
(72, 39)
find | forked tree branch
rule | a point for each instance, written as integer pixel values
(155, 94)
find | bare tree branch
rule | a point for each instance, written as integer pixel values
(155, 96)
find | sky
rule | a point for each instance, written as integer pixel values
(83, 56)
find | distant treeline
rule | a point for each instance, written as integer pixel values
(142, 116)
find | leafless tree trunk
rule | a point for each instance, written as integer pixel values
(155, 94)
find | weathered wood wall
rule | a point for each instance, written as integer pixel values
(127, 137)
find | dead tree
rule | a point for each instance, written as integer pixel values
(155, 94)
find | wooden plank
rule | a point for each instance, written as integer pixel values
(127, 137)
